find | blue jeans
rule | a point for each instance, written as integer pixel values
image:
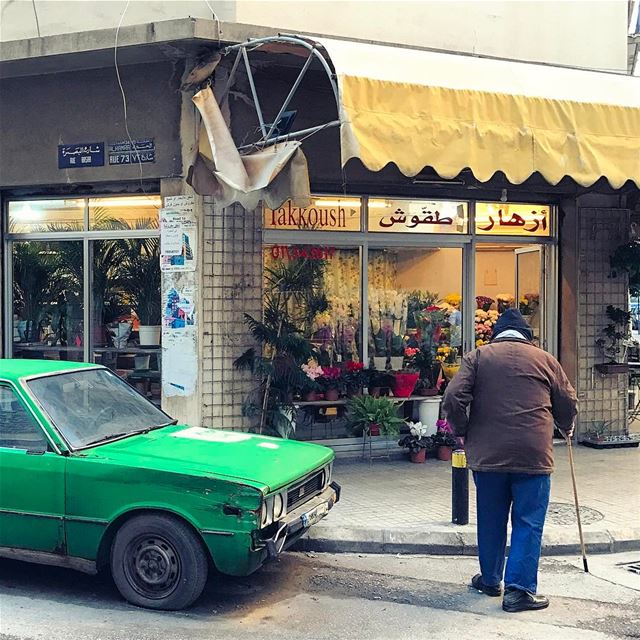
(527, 496)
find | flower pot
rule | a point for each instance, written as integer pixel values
(149, 335)
(612, 368)
(374, 430)
(428, 413)
(396, 362)
(404, 384)
(419, 457)
(331, 394)
(310, 396)
(450, 370)
(380, 363)
(444, 453)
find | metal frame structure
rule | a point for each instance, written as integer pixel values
(242, 54)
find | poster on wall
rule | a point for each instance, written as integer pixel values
(179, 309)
(179, 363)
(178, 234)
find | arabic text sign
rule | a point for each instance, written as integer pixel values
(417, 216)
(502, 219)
(82, 154)
(324, 214)
(126, 152)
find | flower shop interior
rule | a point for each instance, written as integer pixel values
(396, 291)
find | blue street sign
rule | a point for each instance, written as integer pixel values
(81, 154)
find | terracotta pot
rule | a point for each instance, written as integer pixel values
(404, 384)
(310, 396)
(444, 453)
(331, 394)
(420, 457)
(374, 430)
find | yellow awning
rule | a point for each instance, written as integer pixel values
(419, 108)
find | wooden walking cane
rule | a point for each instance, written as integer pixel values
(575, 498)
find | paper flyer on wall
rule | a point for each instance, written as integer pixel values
(179, 309)
(179, 363)
(178, 234)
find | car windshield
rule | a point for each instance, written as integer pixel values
(94, 406)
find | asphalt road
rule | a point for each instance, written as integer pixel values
(318, 596)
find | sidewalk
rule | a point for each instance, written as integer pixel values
(398, 507)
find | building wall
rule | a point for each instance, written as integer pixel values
(562, 32)
(232, 286)
(41, 112)
(601, 230)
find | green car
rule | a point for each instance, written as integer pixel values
(94, 476)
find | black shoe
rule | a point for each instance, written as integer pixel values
(517, 600)
(477, 583)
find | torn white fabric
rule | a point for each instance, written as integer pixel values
(274, 174)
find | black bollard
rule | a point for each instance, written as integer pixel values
(459, 488)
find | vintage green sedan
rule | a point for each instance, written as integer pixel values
(93, 476)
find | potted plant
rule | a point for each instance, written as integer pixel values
(379, 383)
(421, 359)
(484, 302)
(404, 380)
(142, 284)
(417, 442)
(373, 416)
(627, 259)
(330, 382)
(616, 341)
(444, 440)
(312, 371)
(449, 361)
(529, 304)
(354, 378)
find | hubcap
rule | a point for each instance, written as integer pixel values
(152, 566)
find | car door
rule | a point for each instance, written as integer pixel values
(31, 480)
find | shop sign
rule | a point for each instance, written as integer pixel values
(81, 154)
(132, 151)
(505, 219)
(293, 252)
(417, 216)
(324, 214)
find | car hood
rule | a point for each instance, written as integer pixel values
(263, 462)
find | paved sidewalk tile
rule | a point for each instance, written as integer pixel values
(397, 495)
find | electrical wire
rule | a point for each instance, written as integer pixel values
(134, 148)
(35, 13)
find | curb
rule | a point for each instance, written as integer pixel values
(455, 543)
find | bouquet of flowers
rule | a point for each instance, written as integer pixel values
(483, 302)
(354, 375)
(484, 323)
(529, 303)
(505, 301)
(330, 377)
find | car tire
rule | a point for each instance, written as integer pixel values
(158, 562)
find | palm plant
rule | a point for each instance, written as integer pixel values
(141, 278)
(293, 297)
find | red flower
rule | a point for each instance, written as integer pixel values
(432, 308)
(352, 366)
(331, 373)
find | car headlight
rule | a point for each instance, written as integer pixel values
(278, 506)
(264, 514)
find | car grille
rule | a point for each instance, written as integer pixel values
(303, 492)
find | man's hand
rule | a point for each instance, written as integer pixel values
(568, 434)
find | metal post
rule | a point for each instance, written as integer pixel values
(459, 488)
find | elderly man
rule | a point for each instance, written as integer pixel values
(504, 403)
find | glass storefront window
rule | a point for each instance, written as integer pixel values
(124, 212)
(47, 300)
(508, 276)
(46, 216)
(415, 302)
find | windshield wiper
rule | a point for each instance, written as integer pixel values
(123, 434)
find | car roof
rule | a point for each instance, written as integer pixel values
(16, 369)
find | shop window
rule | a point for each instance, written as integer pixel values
(46, 216)
(415, 314)
(326, 306)
(508, 276)
(124, 212)
(48, 300)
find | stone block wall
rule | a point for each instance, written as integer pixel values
(231, 287)
(602, 398)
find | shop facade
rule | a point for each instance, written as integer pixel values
(388, 240)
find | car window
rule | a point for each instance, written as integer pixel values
(18, 428)
(94, 405)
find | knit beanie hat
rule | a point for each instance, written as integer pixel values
(512, 319)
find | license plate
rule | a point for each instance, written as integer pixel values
(315, 515)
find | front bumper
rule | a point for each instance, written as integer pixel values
(299, 521)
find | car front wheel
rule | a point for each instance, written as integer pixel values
(158, 562)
